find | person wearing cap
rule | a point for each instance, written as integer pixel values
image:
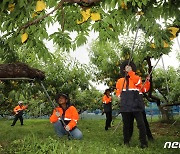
(68, 114)
(18, 110)
(107, 104)
(131, 105)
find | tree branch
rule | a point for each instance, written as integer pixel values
(165, 98)
(85, 1)
(60, 4)
(175, 104)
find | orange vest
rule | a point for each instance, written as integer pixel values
(106, 99)
(134, 81)
(18, 108)
(71, 116)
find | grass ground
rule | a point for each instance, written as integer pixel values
(38, 137)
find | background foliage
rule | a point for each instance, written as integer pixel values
(25, 30)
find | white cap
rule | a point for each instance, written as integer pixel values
(20, 102)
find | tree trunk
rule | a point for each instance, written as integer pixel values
(166, 114)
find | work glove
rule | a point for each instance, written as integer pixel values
(57, 114)
(67, 128)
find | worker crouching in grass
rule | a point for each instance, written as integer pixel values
(65, 117)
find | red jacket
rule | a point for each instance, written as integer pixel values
(70, 116)
(134, 82)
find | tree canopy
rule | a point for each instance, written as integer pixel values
(24, 33)
(24, 23)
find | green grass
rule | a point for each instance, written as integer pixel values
(37, 136)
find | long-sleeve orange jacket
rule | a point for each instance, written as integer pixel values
(19, 108)
(106, 99)
(134, 82)
(107, 103)
(70, 116)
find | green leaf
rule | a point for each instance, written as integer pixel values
(80, 40)
(140, 4)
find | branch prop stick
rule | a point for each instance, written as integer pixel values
(17, 79)
(166, 74)
(54, 107)
(154, 66)
(150, 72)
(132, 50)
(116, 127)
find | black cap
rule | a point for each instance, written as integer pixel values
(107, 91)
(59, 95)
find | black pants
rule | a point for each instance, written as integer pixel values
(148, 131)
(16, 118)
(128, 119)
(108, 119)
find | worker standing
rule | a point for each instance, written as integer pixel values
(18, 110)
(130, 104)
(107, 104)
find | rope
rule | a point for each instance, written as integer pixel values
(166, 75)
(132, 49)
(178, 42)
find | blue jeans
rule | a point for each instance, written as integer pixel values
(60, 130)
